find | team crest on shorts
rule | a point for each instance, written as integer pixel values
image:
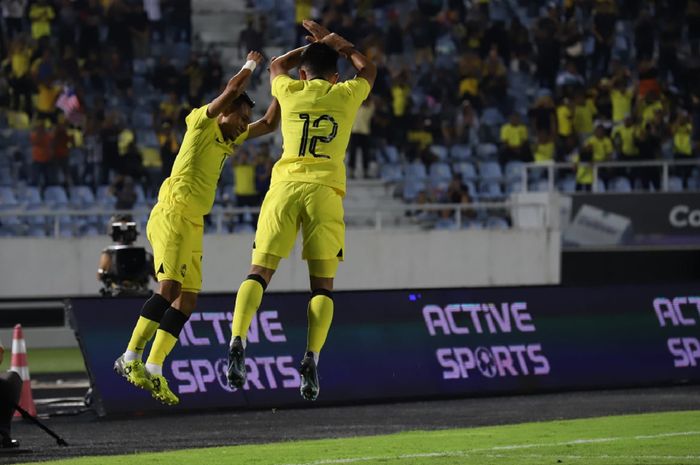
(183, 270)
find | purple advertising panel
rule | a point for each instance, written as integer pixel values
(404, 344)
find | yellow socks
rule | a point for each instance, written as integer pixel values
(151, 314)
(166, 338)
(248, 300)
(320, 315)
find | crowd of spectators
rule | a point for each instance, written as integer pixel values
(84, 83)
(97, 89)
(579, 81)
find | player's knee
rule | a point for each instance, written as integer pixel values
(262, 272)
(170, 290)
(186, 303)
(321, 284)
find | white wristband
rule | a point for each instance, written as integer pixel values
(250, 64)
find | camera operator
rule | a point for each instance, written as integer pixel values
(124, 269)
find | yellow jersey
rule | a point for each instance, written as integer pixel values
(514, 136)
(682, 143)
(317, 118)
(602, 148)
(244, 180)
(621, 104)
(565, 124)
(191, 187)
(627, 135)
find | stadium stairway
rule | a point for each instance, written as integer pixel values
(366, 196)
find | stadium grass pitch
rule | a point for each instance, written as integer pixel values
(649, 439)
(63, 360)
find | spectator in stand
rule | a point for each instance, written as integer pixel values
(165, 76)
(467, 125)
(546, 34)
(683, 146)
(46, 101)
(13, 14)
(360, 140)
(624, 137)
(61, 145)
(400, 104)
(494, 79)
(169, 146)
(20, 80)
(419, 139)
(604, 21)
(566, 139)
(584, 115)
(569, 80)
(394, 40)
(621, 97)
(195, 81)
(602, 150)
(645, 36)
(263, 171)
(244, 180)
(155, 19)
(41, 14)
(515, 144)
(251, 38)
(109, 136)
(584, 169)
(423, 33)
(42, 154)
(124, 190)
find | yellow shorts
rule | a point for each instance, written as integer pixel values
(315, 208)
(177, 248)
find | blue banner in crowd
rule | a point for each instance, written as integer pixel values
(403, 344)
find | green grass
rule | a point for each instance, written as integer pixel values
(50, 361)
(651, 439)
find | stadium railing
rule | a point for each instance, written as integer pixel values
(665, 167)
(492, 215)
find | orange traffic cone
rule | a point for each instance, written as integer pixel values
(19, 365)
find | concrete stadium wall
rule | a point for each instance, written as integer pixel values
(388, 259)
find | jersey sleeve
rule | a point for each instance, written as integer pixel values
(242, 137)
(279, 85)
(358, 88)
(198, 118)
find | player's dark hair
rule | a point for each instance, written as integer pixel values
(243, 98)
(319, 60)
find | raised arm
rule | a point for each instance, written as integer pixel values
(365, 68)
(235, 86)
(285, 63)
(268, 123)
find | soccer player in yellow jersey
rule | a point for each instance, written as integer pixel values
(175, 226)
(306, 190)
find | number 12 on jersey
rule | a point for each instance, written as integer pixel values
(315, 139)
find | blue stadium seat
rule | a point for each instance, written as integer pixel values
(440, 151)
(391, 172)
(490, 190)
(497, 222)
(514, 170)
(105, 197)
(514, 187)
(675, 184)
(620, 184)
(460, 152)
(541, 185)
(487, 151)
(490, 171)
(8, 200)
(440, 171)
(55, 197)
(411, 188)
(30, 197)
(82, 197)
(466, 169)
(416, 170)
(392, 154)
(567, 185)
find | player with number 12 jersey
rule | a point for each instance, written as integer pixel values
(306, 189)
